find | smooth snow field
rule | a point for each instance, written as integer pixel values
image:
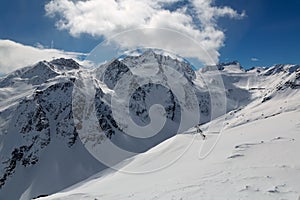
(256, 160)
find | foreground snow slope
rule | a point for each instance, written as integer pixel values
(255, 160)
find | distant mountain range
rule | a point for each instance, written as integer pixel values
(42, 150)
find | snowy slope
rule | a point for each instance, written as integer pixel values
(256, 160)
(58, 119)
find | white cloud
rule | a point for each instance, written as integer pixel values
(39, 45)
(197, 20)
(254, 59)
(15, 55)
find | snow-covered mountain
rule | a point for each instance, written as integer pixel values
(57, 118)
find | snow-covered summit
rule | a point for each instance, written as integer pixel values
(156, 58)
(65, 64)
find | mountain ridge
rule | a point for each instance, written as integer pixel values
(37, 112)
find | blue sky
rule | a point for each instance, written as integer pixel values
(268, 34)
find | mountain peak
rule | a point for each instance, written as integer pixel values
(149, 53)
(282, 68)
(233, 66)
(65, 64)
(157, 58)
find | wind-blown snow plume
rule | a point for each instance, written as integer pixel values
(196, 19)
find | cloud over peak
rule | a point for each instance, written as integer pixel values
(195, 19)
(14, 55)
